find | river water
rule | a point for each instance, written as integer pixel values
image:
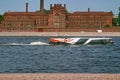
(17, 55)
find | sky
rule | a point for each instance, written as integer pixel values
(72, 5)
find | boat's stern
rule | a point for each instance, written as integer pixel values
(56, 40)
(71, 41)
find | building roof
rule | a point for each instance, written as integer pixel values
(90, 13)
(24, 14)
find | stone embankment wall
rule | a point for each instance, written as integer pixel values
(83, 29)
(59, 34)
(60, 76)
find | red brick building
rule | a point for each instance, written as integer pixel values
(58, 19)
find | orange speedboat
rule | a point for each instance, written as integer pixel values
(84, 41)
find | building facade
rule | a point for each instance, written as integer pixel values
(58, 19)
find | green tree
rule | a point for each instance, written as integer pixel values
(114, 21)
(46, 11)
(119, 17)
(1, 18)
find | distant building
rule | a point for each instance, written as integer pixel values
(58, 19)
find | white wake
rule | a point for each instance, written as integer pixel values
(23, 44)
(38, 43)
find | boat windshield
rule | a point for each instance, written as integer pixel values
(81, 41)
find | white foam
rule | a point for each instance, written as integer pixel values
(23, 44)
(38, 43)
(13, 44)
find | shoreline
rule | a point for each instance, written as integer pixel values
(59, 76)
(60, 34)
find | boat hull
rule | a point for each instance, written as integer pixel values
(80, 41)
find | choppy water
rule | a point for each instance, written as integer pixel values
(16, 56)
